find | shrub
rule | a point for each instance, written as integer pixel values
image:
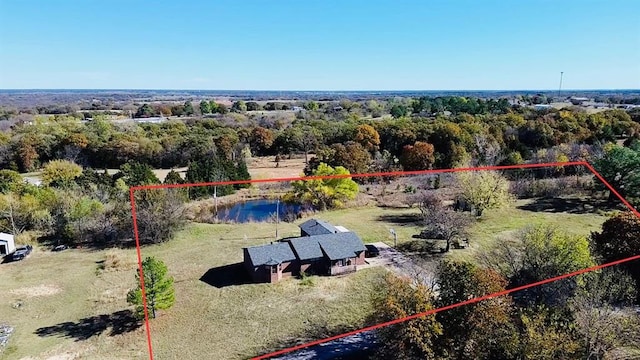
(306, 280)
(117, 260)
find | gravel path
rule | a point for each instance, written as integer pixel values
(402, 264)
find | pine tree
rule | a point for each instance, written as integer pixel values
(159, 289)
(173, 178)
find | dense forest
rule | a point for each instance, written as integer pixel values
(489, 131)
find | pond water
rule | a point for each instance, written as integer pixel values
(257, 210)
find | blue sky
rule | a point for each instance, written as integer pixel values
(320, 45)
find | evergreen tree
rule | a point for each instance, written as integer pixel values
(159, 290)
(137, 174)
(173, 178)
(215, 169)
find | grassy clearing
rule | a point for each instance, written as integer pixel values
(55, 292)
(72, 288)
(264, 167)
(64, 293)
(248, 317)
(502, 222)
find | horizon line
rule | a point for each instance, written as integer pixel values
(317, 90)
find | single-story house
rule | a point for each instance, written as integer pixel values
(269, 263)
(7, 244)
(329, 254)
(322, 249)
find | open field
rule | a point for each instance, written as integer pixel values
(64, 306)
(502, 222)
(217, 319)
(263, 167)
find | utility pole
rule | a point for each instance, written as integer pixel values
(560, 88)
(277, 215)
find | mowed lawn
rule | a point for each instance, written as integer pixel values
(61, 295)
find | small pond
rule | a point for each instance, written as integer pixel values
(258, 211)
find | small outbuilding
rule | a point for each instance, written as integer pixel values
(7, 244)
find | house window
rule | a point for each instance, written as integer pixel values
(349, 262)
(274, 269)
(340, 262)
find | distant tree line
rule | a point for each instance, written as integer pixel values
(359, 144)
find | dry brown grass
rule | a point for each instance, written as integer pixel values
(118, 260)
(38, 290)
(265, 167)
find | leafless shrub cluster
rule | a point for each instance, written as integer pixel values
(530, 187)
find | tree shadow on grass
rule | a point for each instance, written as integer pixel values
(118, 323)
(356, 347)
(226, 275)
(402, 219)
(568, 205)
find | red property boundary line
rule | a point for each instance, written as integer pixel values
(133, 189)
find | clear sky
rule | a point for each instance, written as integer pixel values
(320, 44)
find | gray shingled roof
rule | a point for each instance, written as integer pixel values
(306, 247)
(336, 246)
(317, 227)
(341, 245)
(270, 254)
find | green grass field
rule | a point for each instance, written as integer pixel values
(61, 295)
(500, 222)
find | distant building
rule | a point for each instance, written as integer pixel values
(578, 100)
(542, 107)
(321, 249)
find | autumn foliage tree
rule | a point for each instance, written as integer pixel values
(478, 331)
(261, 140)
(324, 193)
(619, 239)
(368, 137)
(60, 173)
(353, 156)
(483, 189)
(414, 339)
(419, 156)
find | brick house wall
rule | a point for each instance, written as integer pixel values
(342, 266)
(314, 266)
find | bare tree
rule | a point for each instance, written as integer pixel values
(602, 313)
(487, 150)
(159, 214)
(442, 222)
